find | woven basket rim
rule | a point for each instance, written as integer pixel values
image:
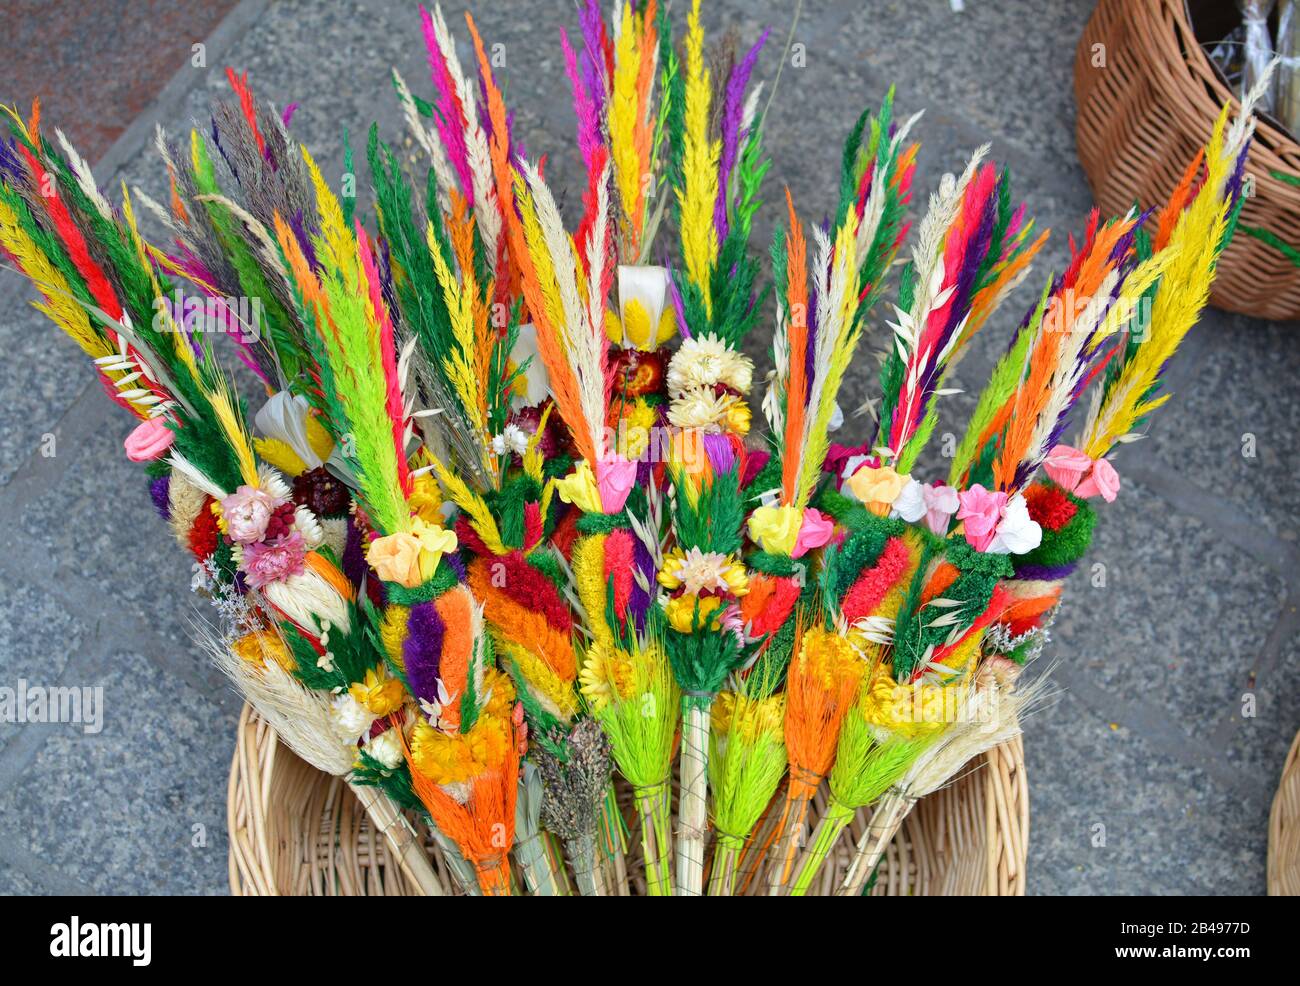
(1284, 829)
(1146, 107)
(295, 830)
(1271, 138)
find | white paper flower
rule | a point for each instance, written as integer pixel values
(910, 504)
(703, 361)
(536, 383)
(648, 286)
(935, 503)
(1016, 532)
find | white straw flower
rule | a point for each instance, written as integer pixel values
(703, 361)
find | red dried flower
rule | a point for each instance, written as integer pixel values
(1050, 506)
(204, 532)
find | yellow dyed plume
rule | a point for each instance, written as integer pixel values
(1184, 290)
(699, 166)
(334, 228)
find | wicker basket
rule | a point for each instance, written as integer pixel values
(1284, 830)
(297, 831)
(1145, 113)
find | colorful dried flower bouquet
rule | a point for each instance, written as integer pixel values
(501, 545)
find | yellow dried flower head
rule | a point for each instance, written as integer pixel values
(639, 419)
(606, 675)
(830, 656)
(257, 646)
(457, 757)
(748, 718)
(910, 710)
(680, 611)
(379, 693)
(426, 499)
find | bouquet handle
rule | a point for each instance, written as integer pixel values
(411, 856)
(692, 819)
(885, 820)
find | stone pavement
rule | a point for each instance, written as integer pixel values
(1147, 751)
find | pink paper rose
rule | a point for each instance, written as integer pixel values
(1076, 473)
(1066, 466)
(814, 532)
(247, 512)
(941, 503)
(149, 440)
(1103, 479)
(614, 478)
(980, 510)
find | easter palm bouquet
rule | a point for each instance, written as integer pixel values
(501, 543)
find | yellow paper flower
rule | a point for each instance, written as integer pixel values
(775, 529)
(580, 489)
(877, 487)
(426, 499)
(379, 693)
(680, 612)
(435, 541)
(396, 558)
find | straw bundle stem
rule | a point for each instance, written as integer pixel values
(654, 804)
(790, 830)
(691, 820)
(726, 865)
(411, 856)
(833, 821)
(885, 820)
(535, 862)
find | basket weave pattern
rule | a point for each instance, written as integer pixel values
(1284, 830)
(1147, 111)
(297, 831)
